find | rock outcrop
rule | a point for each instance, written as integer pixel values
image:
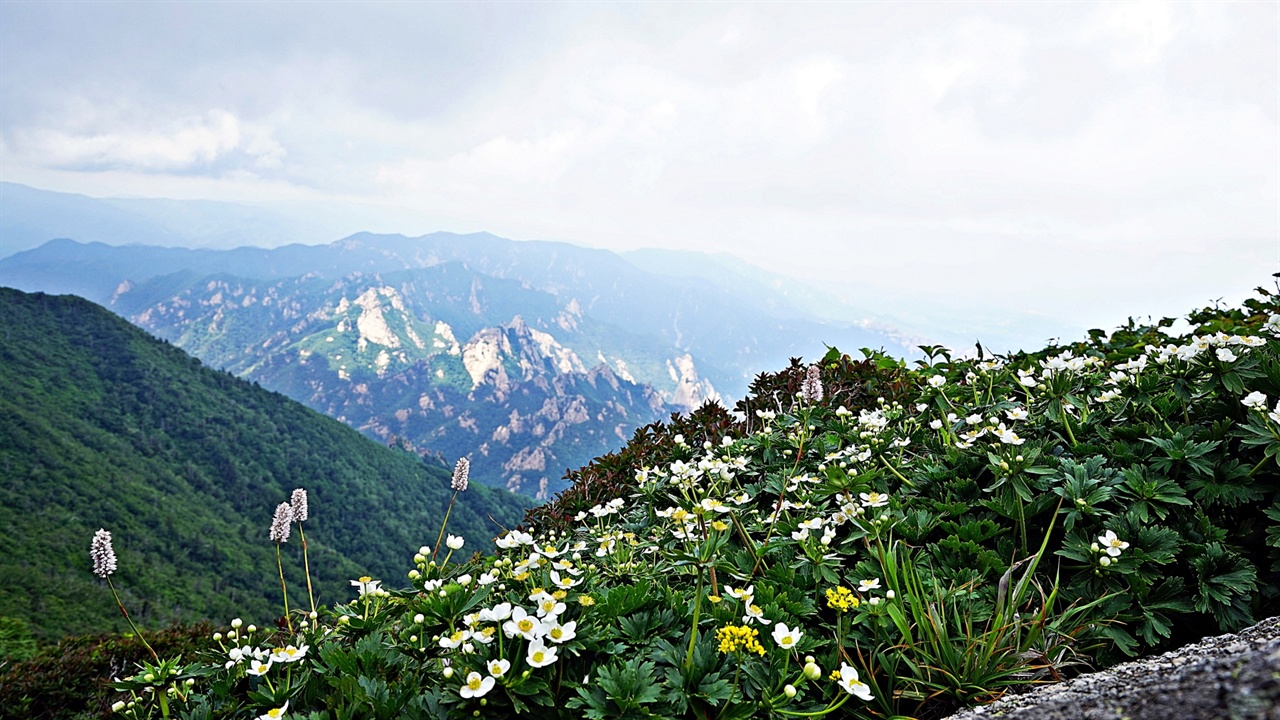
(1229, 677)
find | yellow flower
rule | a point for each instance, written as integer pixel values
(714, 598)
(720, 525)
(841, 598)
(586, 600)
(735, 638)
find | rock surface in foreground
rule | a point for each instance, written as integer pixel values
(1229, 677)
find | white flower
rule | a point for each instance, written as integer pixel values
(850, 682)
(1017, 413)
(104, 557)
(274, 713)
(523, 624)
(476, 685)
(460, 472)
(874, 499)
(298, 501)
(743, 595)
(800, 535)
(257, 667)
(449, 642)
(754, 612)
(1112, 543)
(1109, 395)
(540, 655)
(1255, 400)
(562, 633)
(289, 654)
(937, 381)
(454, 542)
(487, 578)
(281, 523)
(1007, 436)
(1225, 355)
(786, 638)
(366, 585)
(866, 585)
(499, 667)
(935, 424)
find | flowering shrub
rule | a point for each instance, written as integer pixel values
(861, 540)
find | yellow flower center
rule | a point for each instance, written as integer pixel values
(474, 682)
(556, 633)
(538, 655)
(525, 625)
(363, 579)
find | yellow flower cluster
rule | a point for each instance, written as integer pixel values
(739, 637)
(841, 598)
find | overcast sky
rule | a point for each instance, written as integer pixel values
(1076, 160)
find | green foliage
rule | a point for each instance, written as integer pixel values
(106, 427)
(859, 540)
(72, 678)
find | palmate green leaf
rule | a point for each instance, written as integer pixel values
(1226, 582)
(1167, 597)
(1228, 484)
(1148, 497)
(622, 691)
(1273, 532)
(1180, 450)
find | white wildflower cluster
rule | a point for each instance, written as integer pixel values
(461, 473)
(1110, 546)
(1258, 401)
(298, 505)
(102, 554)
(280, 524)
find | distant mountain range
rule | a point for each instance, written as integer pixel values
(532, 357)
(106, 427)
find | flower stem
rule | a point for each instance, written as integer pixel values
(440, 537)
(126, 617)
(894, 470)
(693, 632)
(306, 564)
(284, 590)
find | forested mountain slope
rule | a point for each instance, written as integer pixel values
(102, 425)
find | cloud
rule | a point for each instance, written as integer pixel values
(945, 146)
(192, 143)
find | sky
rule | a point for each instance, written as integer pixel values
(1077, 162)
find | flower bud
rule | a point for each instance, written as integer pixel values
(789, 691)
(417, 619)
(1104, 561)
(237, 623)
(448, 673)
(812, 671)
(253, 628)
(217, 637)
(149, 677)
(117, 706)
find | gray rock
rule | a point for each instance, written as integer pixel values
(1229, 677)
